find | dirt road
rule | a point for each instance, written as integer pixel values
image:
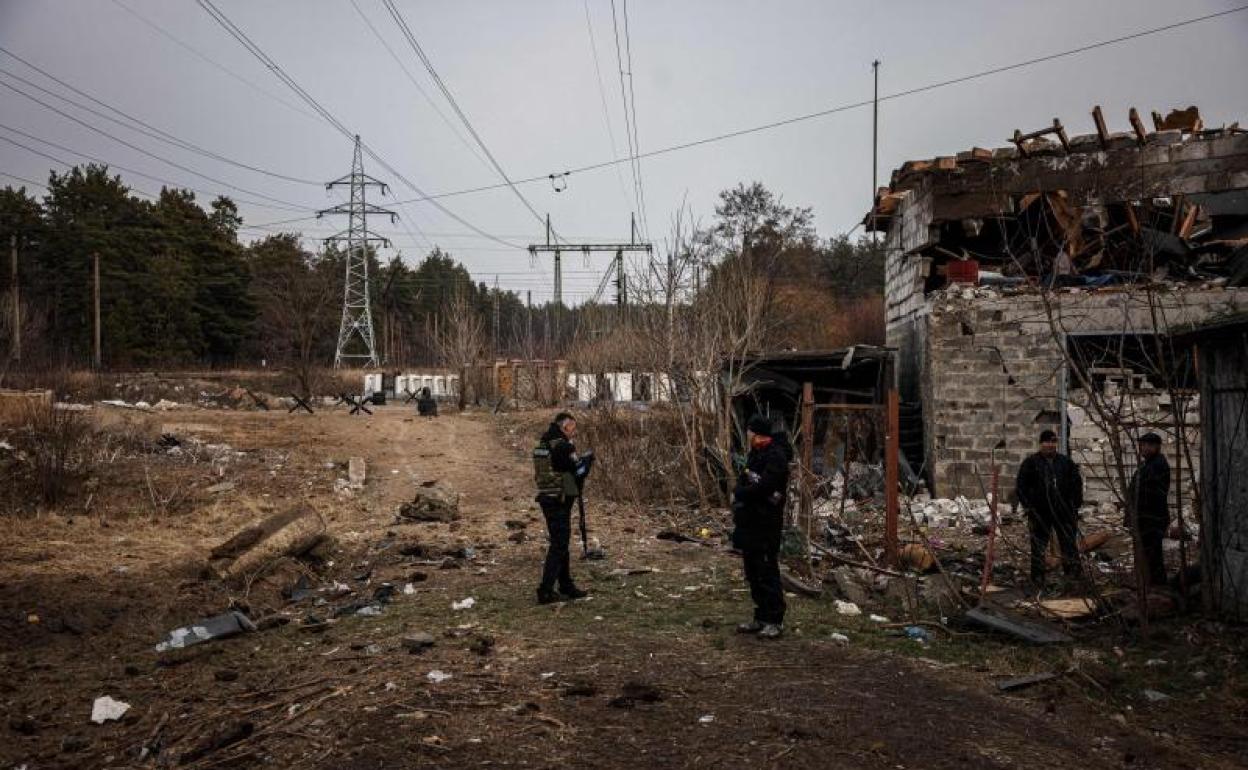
(646, 673)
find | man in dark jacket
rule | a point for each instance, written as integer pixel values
(758, 519)
(1148, 504)
(1050, 490)
(559, 474)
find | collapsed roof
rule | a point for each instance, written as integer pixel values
(1089, 210)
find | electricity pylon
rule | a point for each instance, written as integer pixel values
(357, 315)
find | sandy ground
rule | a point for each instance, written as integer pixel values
(646, 673)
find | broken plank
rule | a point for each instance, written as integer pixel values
(1023, 682)
(1002, 620)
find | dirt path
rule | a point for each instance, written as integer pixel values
(647, 673)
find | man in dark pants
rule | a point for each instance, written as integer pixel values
(1050, 490)
(1148, 504)
(758, 518)
(558, 473)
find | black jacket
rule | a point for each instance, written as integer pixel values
(1148, 494)
(759, 497)
(1049, 488)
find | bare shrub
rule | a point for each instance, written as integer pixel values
(640, 456)
(58, 446)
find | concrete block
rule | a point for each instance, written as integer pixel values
(356, 472)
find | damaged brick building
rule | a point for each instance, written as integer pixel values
(1030, 286)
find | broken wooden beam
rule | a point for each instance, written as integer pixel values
(1137, 125)
(1102, 133)
(254, 548)
(1022, 682)
(1002, 620)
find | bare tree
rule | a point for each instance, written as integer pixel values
(459, 340)
(295, 291)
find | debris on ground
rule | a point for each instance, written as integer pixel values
(1023, 682)
(220, 738)
(418, 642)
(107, 709)
(289, 533)
(217, 627)
(432, 502)
(794, 584)
(356, 472)
(464, 604)
(1002, 620)
(847, 608)
(437, 676)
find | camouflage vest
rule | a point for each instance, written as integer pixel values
(546, 478)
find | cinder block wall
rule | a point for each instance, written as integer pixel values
(994, 368)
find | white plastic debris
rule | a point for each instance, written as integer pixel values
(847, 608)
(878, 619)
(706, 719)
(437, 675)
(1155, 696)
(409, 589)
(839, 638)
(106, 709)
(464, 604)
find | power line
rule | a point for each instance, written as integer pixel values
(450, 98)
(286, 79)
(602, 95)
(151, 131)
(212, 62)
(135, 172)
(23, 179)
(415, 83)
(844, 107)
(142, 151)
(628, 132)
(67, 164)
(632, 99)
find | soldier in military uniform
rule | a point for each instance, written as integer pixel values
(559, 473)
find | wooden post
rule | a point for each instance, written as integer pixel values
(16, 297)
(892, 447)
(990, 551)
(1180, 446)
(95, 267)
(806, 513)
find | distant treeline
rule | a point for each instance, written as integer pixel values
(178, 287)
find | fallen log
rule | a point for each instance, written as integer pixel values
(289, 533)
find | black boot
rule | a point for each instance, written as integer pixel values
(573, 592)
(547, 596)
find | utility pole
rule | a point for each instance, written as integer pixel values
(495, 341)
(618, 249)
(16, 297)
(875, 145)
(357, 316)
(96, 359)
(528, 320)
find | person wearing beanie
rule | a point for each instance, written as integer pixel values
(1148, 505)
(758, 519)
(1050, 490)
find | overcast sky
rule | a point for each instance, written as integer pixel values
(524, 75)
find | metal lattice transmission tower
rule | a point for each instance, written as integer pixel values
(357, 315)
